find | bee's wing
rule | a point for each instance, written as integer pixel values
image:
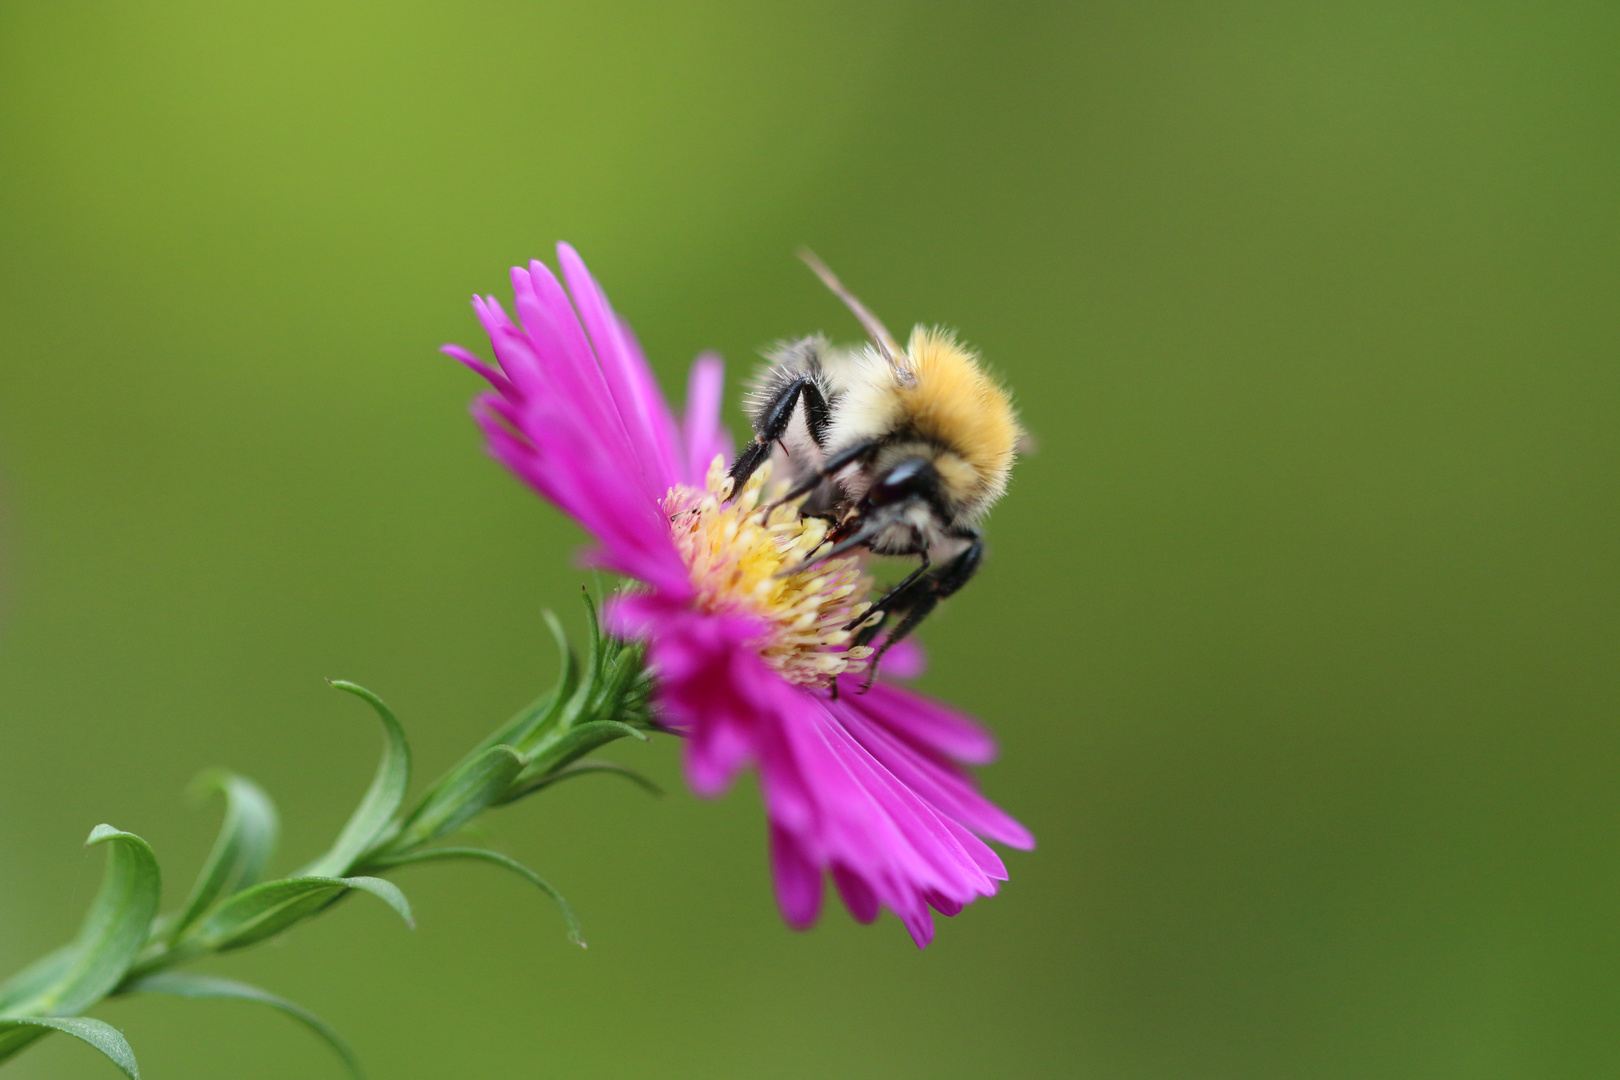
(874, 327)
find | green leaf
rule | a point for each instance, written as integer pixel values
(495, 857)
(581, 769)
(538, 715)
(114, 930)
(562, 695)
(372, 817)
(463, 795)
(269, 908)
(545, 710)
(245, 842)
(541, 722)
(185, 984)
(589, 684)
(387, 892)
(571, 746)
(263, 911)
(102, 1036)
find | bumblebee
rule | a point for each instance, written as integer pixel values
(904, 450)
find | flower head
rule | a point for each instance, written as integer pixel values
(746, 649)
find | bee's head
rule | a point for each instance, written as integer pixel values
(903, 508)
(919, 474)
(911, 498)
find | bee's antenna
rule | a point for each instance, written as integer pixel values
(874, 326)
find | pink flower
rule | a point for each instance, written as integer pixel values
(867, 787)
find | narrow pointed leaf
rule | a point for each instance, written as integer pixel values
(575, 744)
(245, 843)
(544, 712)
(189, 985)
(584, 768)
(495, 857)
(271, 907)
(372, 817)
(114, 930)
(387, 892)
(103, 1036)
(464, 794)
(568, 681)
(578, 703)
(537, 716)
(530, 717)
(262, 911)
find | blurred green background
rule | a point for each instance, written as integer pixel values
(1300, 630)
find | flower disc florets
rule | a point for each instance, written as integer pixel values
(740, 555)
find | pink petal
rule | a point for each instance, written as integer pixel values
(858, 896)
(926, 723)
(704, 437)
(906, 661)
(496, 379)
(798, 881)
(635, 392)
(944, 787)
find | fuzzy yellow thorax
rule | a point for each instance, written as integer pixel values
(736, 553)
(955, 402)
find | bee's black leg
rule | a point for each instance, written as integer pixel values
(772, 423)
(831, 465)
(922, 594)
(752, 457)
(895, 597)
(908, 622)
(960, 570)
(868, 633)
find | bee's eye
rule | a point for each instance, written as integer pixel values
(909, 479)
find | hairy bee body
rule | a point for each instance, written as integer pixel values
(949, 413)
(904, 449)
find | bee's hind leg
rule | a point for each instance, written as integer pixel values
(918, 595)
(898, 597)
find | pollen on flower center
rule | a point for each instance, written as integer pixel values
(736, 552)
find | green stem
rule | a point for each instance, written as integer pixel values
(600, 700)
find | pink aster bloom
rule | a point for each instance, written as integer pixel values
(869, 788)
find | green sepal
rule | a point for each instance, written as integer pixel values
(246, 840)
(269, 908)
(113, 932)
(185, 984)
(495, 857)
(372, 818)
(103, 1036)
(464, 794)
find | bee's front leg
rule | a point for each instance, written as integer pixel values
(772, 420)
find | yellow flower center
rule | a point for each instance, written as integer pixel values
(738, 555)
